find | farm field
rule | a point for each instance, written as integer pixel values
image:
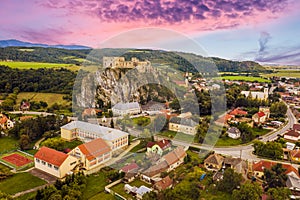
(37, 65)
(244, 78)
(20, 182)
(49, 98)
(285, 73)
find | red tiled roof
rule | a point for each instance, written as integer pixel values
(296, 127)
(238, 111)
(292, 133)
(163, 183)
(162, 143)
(3, 119)
(51, 156)
(94, 148)
(175, 155)
(129, 167)
(261, 165)
(261, 114)
(224, 118)
(295, 153)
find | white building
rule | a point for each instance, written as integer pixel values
(116, 139)
(257, 95)
(131, 108)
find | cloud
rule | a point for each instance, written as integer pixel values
(169, 11)
(263, 40)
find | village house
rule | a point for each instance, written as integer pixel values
(214, 162)
(183, 125)
(141, 191)
(153, 107)
(174, 158)
(292, 135)
(295, 155)
(237, 164)
(130, 168)
(296, 127)
(25, 106)
(258, 168)
(259, 118)
(265, 110)
(131, 108)
(163, 184)
(159, 147)
(234, 132)
(223, 120)
(116, 139)
(238, 112)
(293, 183)
(5, 122)
(92, 154)
(88, 112)
(54, 162)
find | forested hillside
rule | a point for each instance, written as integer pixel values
(39, 80)
(180, 61)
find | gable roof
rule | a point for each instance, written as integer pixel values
(126, 106)
(104, 132)
(163, 183)
(261, 114)
(296, 127)
(162, 144)
(156, 169)
(292, 133)
(183, 121)
(175, 155)
(214, 159)
(238, 111)
(295, 153)
(94, 148)
(130, 167)
(261, 165)
(51, 156)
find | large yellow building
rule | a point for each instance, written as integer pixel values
(54, 162)
(183, 125)
(116, 139)
(92, 154)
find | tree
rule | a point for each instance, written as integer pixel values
(246, 132)
(278, 109)
(24, 142)
(231, 180)
(112, 123)
(270, 149)
(248, 191)
(175, 105)
(281, 193)
(275, 176)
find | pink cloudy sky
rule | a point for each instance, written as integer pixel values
(237, 29)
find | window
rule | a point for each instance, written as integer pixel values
(37, 160)
(56, 168)
(43, 162)
(49, 165)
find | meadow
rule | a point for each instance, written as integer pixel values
(49, 98)
(284, 73)
(37, 65)
(244, 78)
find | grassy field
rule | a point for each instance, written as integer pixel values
(227, 141)
(37, 65)
(95, 185)
(284, 73)
(7, 144)
(244, 78)
(27, 196)
(20, 182)
(178, 136)
(49, 98)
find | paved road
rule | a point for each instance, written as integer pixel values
(31, 113)
(244, 151)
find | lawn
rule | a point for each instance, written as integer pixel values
(7, 144)
(141, 121)
(244, 78)
(260, 132)
(95, 185)
(49, 98)
(20, 182)
(227, 141)
(37, 65)
(30, 195)
(177, 135)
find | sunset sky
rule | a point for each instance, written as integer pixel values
(261, 30)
